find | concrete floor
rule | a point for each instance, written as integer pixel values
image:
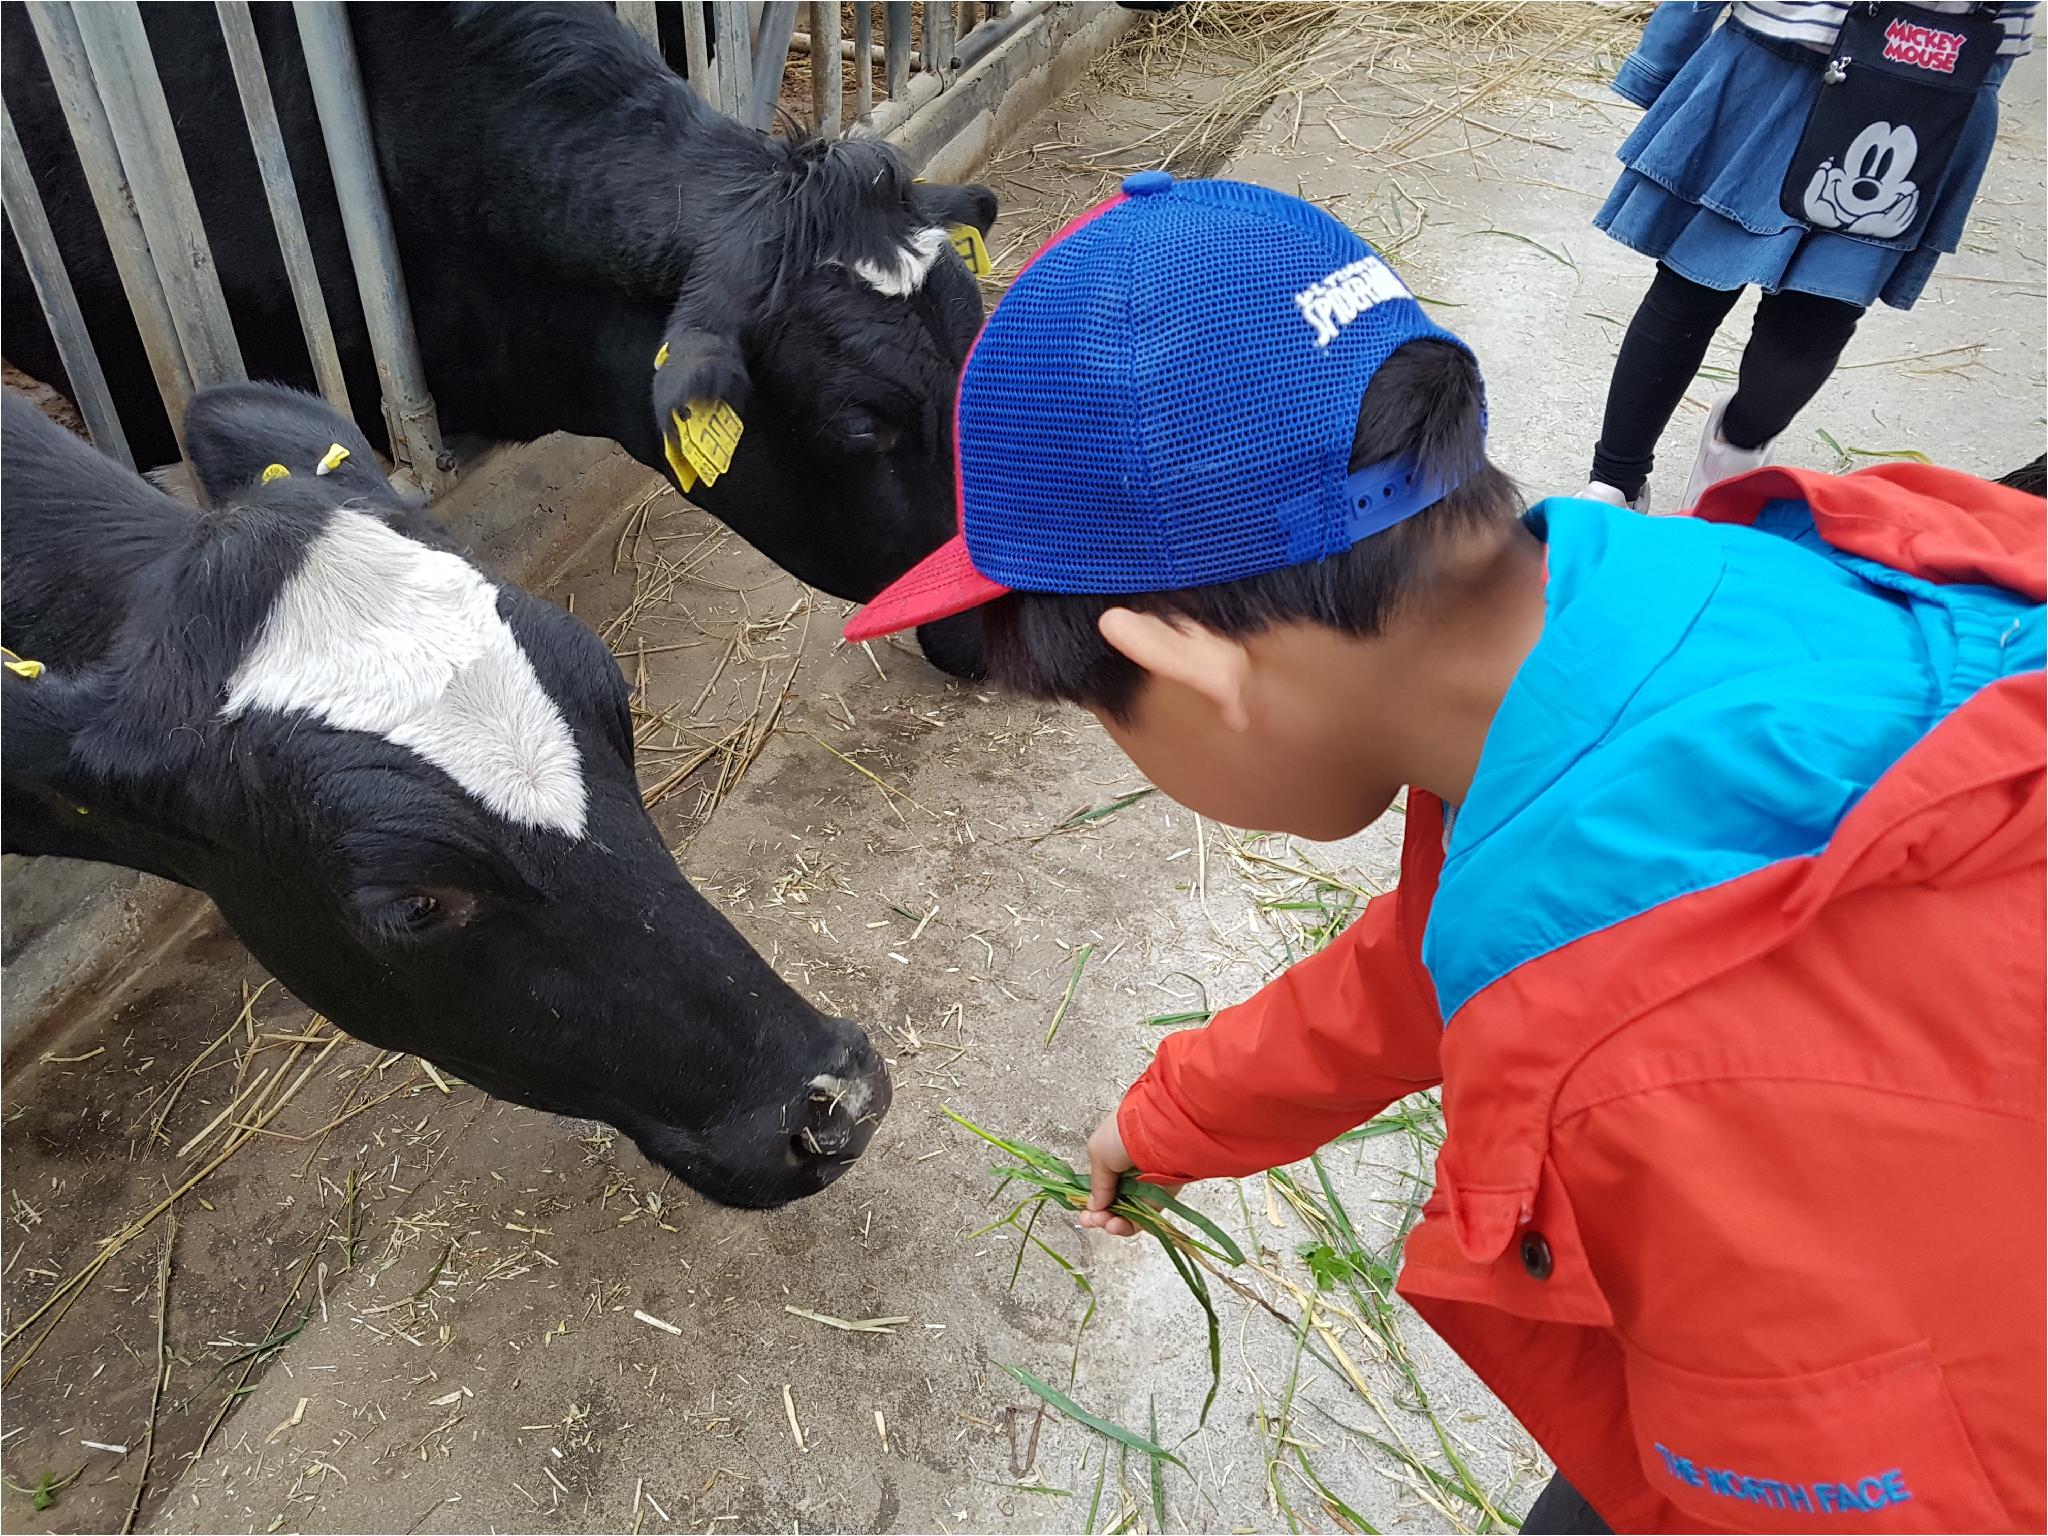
(471, 1357)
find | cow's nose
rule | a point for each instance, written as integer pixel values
(840, 1111)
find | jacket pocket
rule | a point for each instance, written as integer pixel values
(1875, 1445)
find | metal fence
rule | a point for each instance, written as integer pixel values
(736, 53)
(935, 41)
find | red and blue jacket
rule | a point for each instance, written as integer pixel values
(1731, 968)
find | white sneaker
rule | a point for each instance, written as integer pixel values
(1600, 490)
(1720, 459)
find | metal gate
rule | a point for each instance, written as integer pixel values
(735, 55)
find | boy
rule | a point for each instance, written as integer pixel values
(1721, 912)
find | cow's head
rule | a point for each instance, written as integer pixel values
(827, 307)
(410, 789)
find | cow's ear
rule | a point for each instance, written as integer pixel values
(64, 795)
(970, 204)
(242, 436)
(45, 716)
(698, 364)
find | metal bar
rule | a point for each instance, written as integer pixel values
(118, 50)
(45, 265)
(895, 46)
(828, 85)
(984, 39)
(863, 58)
(731, 54)
(100, 158)
(639, 15)
(697, 65)
(372, 245)
(238, 27)
(938, 36)
(778, 25)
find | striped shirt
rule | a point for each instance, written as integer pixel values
(1816, 23)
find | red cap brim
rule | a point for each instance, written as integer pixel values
(940, 585)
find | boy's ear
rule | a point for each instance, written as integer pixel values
(1212, 665)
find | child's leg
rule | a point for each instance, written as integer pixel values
(1793, 347)
(1665, 345)
(1559, 1508)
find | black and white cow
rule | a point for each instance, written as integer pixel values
(408, 787)
(564, 205)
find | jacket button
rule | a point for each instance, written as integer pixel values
(1536, 1255)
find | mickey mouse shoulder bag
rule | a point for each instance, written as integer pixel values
(1894, 98)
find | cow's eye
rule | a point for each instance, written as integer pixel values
(419, 910)
(407, 915)
(863, 431)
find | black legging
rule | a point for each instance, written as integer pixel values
(1560, 1510)
(1793, 347)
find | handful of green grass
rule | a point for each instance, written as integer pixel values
(1147, 1207)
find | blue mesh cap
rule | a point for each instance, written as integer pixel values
(1167, 398)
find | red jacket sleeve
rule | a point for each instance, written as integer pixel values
(1321, 1048)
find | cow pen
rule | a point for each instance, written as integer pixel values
(258, 1276)
(113, 101)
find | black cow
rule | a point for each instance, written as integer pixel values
(408, 787)
(564, 205)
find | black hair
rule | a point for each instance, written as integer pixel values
(1426, 400)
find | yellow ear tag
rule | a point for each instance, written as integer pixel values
(661, 356)
(703, 444)
(20, 666)
(332, 460)
(275, 472)
(973, 250)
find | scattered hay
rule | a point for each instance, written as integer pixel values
(265, 1101)
(1218, 67)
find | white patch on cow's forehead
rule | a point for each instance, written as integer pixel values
(902, 276)
(376, 632)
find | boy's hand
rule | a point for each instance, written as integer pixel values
(1108, 1162)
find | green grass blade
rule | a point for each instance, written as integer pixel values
(1037, 1206)
(1158, 1466)
(1174, 1020)
(1914, 454)
(1198, 1287)
(1004, 1220)
(1044, 1161)
(1100, 812)
(1095, 1503)
(1372, 1130)
(1152, 1194)
(1562, 259)
(1128, 1438)
(1336, 1506)
(1281, 1421)
(1067, 997)
(1339, 1217)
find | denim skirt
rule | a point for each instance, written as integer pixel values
(1702, 173)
